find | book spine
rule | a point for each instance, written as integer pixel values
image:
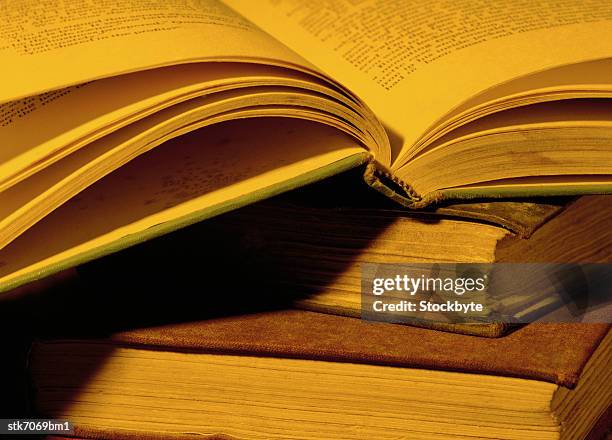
(384, 181)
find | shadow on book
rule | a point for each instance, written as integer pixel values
(260, 258)
(207, 270)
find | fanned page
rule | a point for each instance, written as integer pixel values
(413, 62)
(73, 41)
(202, 174)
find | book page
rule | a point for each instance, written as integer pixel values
(28, 201)
(413, 61)
(100, 107)
(189, 177)
(57, 43)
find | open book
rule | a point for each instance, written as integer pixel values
(443, 100)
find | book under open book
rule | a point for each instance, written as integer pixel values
(103, 110)
(296, 374)
(308, 248)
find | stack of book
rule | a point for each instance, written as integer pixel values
(246, 326)
(133, 137)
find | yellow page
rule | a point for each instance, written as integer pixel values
(590, 79)
(199, 175)
(56, 43)
(413, 61)
(593, 76)
(26, 202)
(100, 107)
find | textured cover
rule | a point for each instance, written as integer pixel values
(554, 353)
(523, 216)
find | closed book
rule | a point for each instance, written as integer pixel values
(300, 374)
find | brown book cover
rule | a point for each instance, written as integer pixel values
(115, 387)
(554, 353)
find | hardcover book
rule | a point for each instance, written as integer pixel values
(314, 242)
(298, 374)
(103, 110)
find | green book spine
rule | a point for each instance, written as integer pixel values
(383, 180)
